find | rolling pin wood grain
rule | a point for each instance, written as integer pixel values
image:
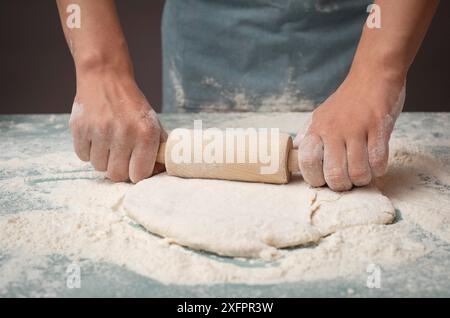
(285, 157)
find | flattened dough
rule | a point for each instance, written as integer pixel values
(242, 219)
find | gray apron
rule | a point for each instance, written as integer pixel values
(257, 55)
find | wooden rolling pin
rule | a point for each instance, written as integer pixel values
(283, 154)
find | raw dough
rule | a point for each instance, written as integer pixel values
(242, 219)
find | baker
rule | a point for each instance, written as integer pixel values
(251, 55)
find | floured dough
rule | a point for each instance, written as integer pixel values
(242, 219)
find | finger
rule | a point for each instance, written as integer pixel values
(378, 145)
(99, 154)
(310, 158)
(143, 157)
(118, 162)
(81, 145)
(358, 161)
(335, 165)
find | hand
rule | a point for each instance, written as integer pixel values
(114, 127)
(347, 141)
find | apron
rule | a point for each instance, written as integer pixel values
(257, 55)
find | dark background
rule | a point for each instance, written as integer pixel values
(37, 74)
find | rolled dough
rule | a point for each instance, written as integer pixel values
(251, 220)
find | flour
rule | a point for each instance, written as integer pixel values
(53, 204)
(239, 100)
(418, 183)
(89, 225)
(104, 236)
(180, 96)
(77, 111)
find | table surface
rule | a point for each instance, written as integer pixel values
(25, 136)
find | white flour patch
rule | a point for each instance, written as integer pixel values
(417, 184)
(101, 235)
(241, 101)
(180, 96)
(77, 111)
(326, 6)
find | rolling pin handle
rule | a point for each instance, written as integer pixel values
(293, 161)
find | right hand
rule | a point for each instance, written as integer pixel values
(114, 127)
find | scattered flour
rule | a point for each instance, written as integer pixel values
(90, 225)
(180, 96)
(69, 210)
(418, 185)
(102, 235)
(239, 100)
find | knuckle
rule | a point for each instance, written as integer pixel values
(146, 130)
(75, 125)
(103, 128)
(125, 130)
(141, 130)
(147, 133)
(379, 114)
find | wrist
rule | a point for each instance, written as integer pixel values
(379, 69)
(101, 73)
(380, 61)
(104, 61)
(113, 87)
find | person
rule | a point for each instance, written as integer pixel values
(251, 55)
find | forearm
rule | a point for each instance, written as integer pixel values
(99, 44)
(390, 50)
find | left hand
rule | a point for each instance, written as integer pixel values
(347, 141)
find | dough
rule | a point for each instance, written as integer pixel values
(254, 220)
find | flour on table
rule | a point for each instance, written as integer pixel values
(242, 219)
(52, 204)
